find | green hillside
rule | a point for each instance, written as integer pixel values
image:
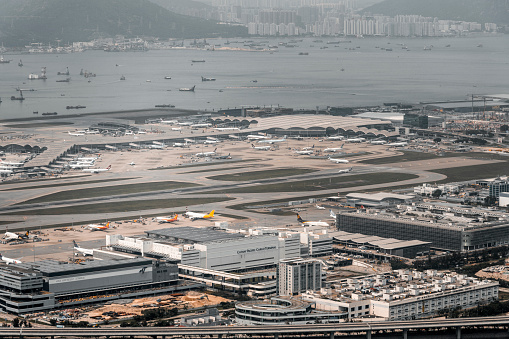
(482, 11)
(26, 21)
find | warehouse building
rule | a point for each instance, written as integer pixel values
(46, 285)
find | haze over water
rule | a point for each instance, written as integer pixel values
(335, 76)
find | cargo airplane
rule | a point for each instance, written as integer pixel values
(167, 219)
(194, 216)
(94, 227)
(312, 223)
(9, 260)
(84, 251)
(8, 236)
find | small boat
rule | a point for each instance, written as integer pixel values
(35, 112)
(159, 106)
(64, 80)
(4, 61)
(20, 63)
(122, 77)
(64, 73)
(208, 79)
(50, 113)
(198, 60)
(75, 107)
(254, 80)
(148, 80)
(167, 78)
(185, 89)
(303, 53)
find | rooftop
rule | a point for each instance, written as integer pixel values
(193, 234)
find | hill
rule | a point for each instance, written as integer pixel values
(26, 21)
(482, 11)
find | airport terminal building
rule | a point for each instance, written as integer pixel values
(46, 285)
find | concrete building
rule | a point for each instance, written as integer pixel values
(404, 295)
(297, 275)
(445, 226)
(503, 199)
(46, 285)
(377, 199)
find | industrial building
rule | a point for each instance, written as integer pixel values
(46, 285)
(297, 275)
(377, 199)
(446, 226)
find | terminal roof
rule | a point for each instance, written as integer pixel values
(193, 234)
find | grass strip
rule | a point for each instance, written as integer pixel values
(321, 184)
(267, 174)
(109, 191)
(67, 184)
(121, 206)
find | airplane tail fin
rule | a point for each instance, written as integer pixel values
(210, 215)
(299, 219)
(284, 138)
(215, 149)
(252, 146)
(108, 167)
(332, 214)
(108, 224)
(75, 244)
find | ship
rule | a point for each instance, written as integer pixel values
(20, 63)
(167, 78)
(185, 89)
(20, 98)
(75, 107)
(122, 77)
(198, 60)
(160, 106)
(64, 73)
(50, 113)
(43, 76)
(4, 61)
(64, 80)
(207, 79)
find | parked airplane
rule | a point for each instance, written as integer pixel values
(6, 171)
(206, 154)
(176, 128)
(272, 141)
(10, 163)
(94, 227)
(355, 140)
(345, 170)
(132, 163)
(96, 170)
(332, 214)
(167, 219)
(9, 260)
(8, 236)
(260, 148)
(339, 161)
(168, 122)
(157, 146)
(228, 156)
(378, 142)
(312, 223)
(304, 152)
(256, 137)
(208, 79)
(76, 134)
(84, 251)
(201, 125)
(86, 159)
(336, 137)
(223, 129)
(398, 144)
(333, 149)
(185, 89)
(181, 144)
(320, 207)
(81, 165)
(212, 141)
(194, 216)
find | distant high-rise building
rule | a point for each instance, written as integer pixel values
(297, 275)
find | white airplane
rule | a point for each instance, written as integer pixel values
(211, 141)
(181, 144)
(398, 144)
(94, 227)
(187, 89)
(256, 137)
(96, 170)
(87, 159)
(304, 152)
(345, 170)
(168, 122)
(76, 134)
(320, 207)
(355, 140)
(10, 163)
(157, 146)
(92, 131)
(9, 260)
(222, 129)
(228, 156)
(132, 163)
(312, 223)
(260, 148)
(200, 125)
(339, 161)
(84, 251)
(141, 132)
(5, 171)
(8, 236)
(81, 165)
(336, 137)
(378, 142)
(167, 219)
(176, 128)
(332, 214)
(206, 154)
(333, 149)
(185, 123)
(272, 141)
(194, 216)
